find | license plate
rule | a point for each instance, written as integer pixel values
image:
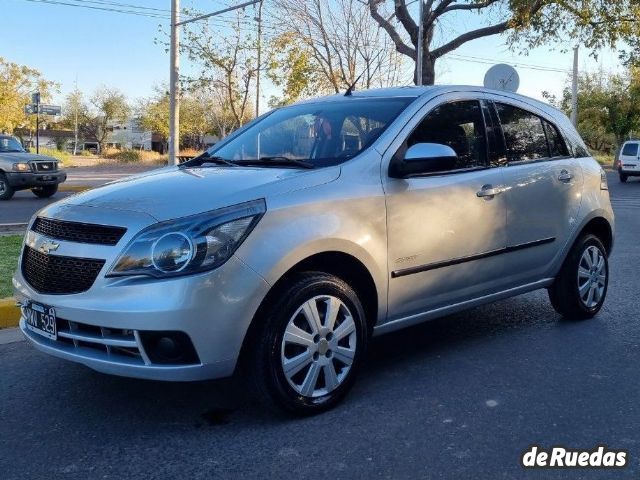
(41, 319)
(46, 178)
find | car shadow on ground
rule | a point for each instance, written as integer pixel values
(220, 402)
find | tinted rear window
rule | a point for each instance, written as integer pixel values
(630, 150)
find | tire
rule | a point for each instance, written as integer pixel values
(580, 289)
(45, 192)
(323, 353)
(6, 190)
(623, 177)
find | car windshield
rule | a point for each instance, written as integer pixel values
(10, 144)
(318, 134)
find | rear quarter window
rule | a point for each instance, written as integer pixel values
(630, 150)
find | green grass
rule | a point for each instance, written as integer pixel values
(9, 252)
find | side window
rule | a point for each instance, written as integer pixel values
(557, 147)
(630, 150)
(523, 134)
(460, 125)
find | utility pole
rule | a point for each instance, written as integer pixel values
(574, 88)
(420, 43)
(76, 101)
(259, 45)
(174, 73)
(36, 100)
(174, 85)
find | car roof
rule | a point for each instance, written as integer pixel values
(428, 91)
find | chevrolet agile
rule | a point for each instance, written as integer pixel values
(291, 242)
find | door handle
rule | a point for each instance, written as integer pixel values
(488, 192)
(565, 176)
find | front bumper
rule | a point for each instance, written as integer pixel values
(213, 309)
(20, 180)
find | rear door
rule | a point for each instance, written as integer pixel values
(630, 156)
(544, 190)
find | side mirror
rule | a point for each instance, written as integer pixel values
(424, 158)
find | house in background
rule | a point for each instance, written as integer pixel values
(55, 139)
(129, 135)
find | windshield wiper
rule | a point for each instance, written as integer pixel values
(278, 161)
(206, 158)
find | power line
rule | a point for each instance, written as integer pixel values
(105, 9)
(127, 5)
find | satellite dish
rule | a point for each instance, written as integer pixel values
(502, 77)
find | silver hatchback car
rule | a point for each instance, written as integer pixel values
(291, 242)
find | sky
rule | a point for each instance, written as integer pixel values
(93, 47)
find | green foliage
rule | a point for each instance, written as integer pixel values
(110, 105)
(291, 67)
(608, 108)
(57, 154)
(9, 252)
(17, 83)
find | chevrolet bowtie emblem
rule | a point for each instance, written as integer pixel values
(48, 247)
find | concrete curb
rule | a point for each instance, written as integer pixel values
(9, 313)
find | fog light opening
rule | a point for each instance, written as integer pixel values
(169, 348)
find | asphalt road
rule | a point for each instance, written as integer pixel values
(24, 203)
(460, 397)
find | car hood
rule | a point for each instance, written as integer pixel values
(16, 157)
(174, 192)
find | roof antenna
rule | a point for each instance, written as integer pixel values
(352, 87)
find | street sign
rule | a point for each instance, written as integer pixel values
(35, 98)
(44, 109)
(50, 109)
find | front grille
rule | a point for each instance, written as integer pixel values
(58, 275)
(115, 343)
(41, 167)
(78, 232)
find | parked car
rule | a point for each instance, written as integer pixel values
(629, 160)
(296, 238)
(21, 170)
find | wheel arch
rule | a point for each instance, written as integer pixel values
(601, 228)
(344, 266)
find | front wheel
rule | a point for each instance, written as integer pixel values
(580, 289)
(310, 344)
(6, 190)
(624, 177)
(45, 192)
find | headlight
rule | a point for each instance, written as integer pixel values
(189, 245)
(21, 167)
(60, 165)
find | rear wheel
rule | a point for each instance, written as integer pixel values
(580, 289)
(6, 190)
(45, 192)
(310, 344)
(624, 177)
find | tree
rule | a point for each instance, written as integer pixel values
(75, 114)
(154, 115)
(17, 83)
(608, 108)
(528, 23)
(227, 66)
(110, 105)
(328, 44)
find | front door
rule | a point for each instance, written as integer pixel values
(445, 229)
